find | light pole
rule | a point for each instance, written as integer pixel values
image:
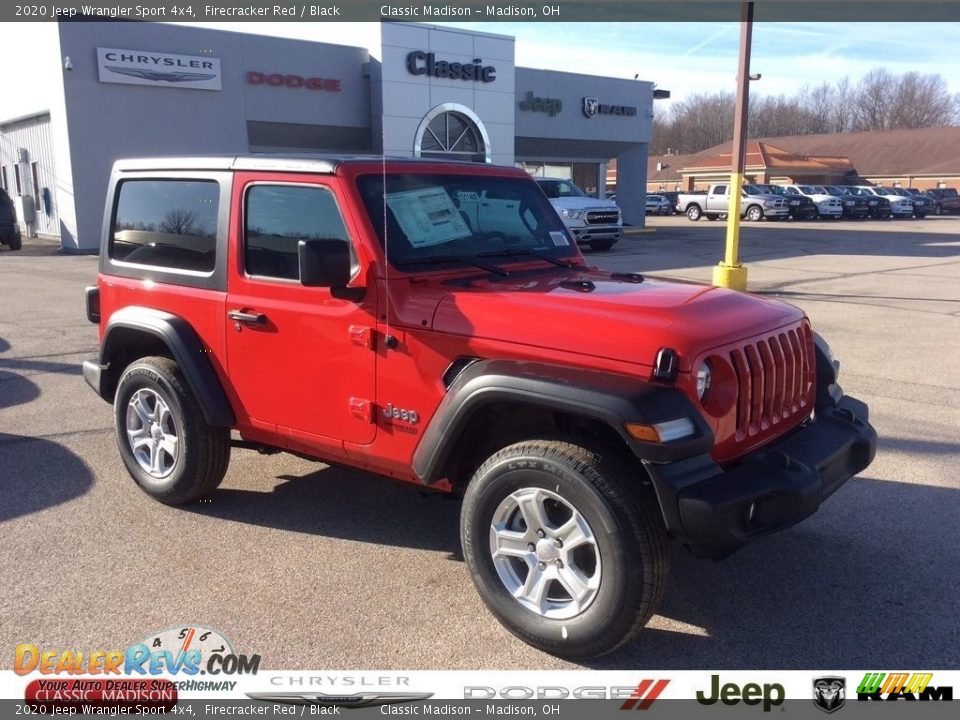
(730, 273)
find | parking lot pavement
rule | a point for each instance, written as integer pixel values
(319, 568)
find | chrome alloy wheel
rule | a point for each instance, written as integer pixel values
(545, 553)
(153, 434)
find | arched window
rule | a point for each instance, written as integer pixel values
(452, 132)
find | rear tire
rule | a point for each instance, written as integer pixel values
(543, 522)
(16, 242)
(694, 213)
(601, 245)
(169, 449)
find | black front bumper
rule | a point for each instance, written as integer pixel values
(715, 511)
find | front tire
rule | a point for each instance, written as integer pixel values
(754, 213)
(601, 245)
(169, 449)
(565, 546)
(16, 242)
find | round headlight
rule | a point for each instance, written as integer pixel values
(703, 381)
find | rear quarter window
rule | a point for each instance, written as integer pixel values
(169, 224)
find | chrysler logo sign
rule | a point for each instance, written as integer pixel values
(354, 700)
(159, 69)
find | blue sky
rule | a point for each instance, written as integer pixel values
(688, 58)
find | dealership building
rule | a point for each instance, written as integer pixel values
(97, 91)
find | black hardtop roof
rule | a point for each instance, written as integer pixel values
(292, 162)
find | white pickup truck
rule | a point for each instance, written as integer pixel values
(754, 204)
(590, 220)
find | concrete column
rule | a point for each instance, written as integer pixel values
(601, 180)
(632, 184)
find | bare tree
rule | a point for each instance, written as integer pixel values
(817, 104)
(180, 222)
(842, 109)
(880, 101)
(922, 101)
(874, 99)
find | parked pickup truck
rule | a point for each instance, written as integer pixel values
(435, 323)
(590, 220)
(755, 205)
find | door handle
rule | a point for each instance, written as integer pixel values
(248, 318)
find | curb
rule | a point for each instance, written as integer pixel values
(639, 231)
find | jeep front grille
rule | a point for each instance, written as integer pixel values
(775, 376)
(602, 217)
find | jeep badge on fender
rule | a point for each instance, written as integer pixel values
(697, 414)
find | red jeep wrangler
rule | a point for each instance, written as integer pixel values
(435, 323)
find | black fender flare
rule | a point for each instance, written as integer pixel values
(185, 349)
(609, 398)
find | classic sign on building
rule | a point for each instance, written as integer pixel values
(147, 67)
(424, 63)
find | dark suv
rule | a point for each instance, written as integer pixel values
(9, 229)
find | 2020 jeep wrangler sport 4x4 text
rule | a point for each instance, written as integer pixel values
(435, 323)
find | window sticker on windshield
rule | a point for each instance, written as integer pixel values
(559, 239)
(468, 196)
(428, 216)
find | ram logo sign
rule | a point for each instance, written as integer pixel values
(901, 686)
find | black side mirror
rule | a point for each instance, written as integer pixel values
(325, 262)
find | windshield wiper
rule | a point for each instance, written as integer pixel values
(531, 252)
(443, 259)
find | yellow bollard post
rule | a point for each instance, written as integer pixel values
(730, 273)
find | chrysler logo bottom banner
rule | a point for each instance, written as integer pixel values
(863, 693)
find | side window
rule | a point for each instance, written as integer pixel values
(166, 223)
(720, 190)
(278, 217)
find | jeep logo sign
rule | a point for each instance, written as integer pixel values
(770, 695)
(550, 106)
(293, 81)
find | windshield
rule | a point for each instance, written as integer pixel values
(752, 190)
(880, 191)
(560, 189)
(809, 190)
(441, 219)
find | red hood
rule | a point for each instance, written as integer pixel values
(614, 318)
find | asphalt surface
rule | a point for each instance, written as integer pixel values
(318, 568)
